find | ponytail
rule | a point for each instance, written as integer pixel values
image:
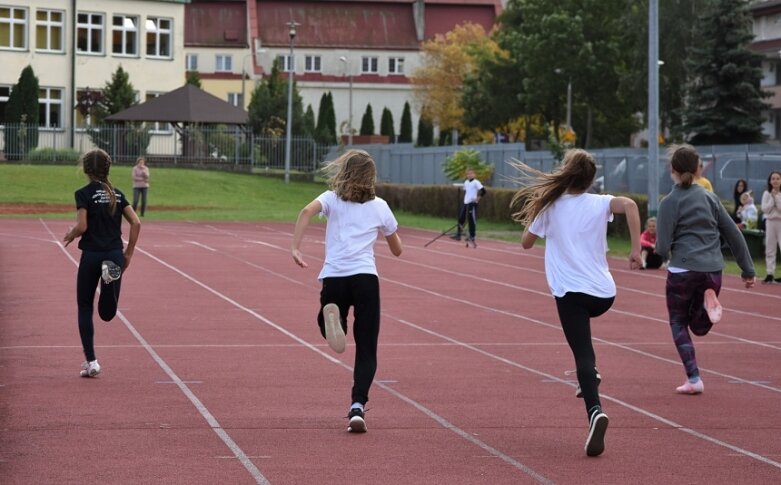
(685, 161)
(97, 164)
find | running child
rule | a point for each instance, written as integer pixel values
(349, 274)
(99, 211)
(690, 226)
(575, 261)
(473, 191)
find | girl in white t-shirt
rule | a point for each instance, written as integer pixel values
(557, 207)
(349, 275)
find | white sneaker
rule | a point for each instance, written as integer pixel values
(334, 333)
(110, 271)
(90, 369)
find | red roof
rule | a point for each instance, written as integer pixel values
(215, 24)
(441, 19)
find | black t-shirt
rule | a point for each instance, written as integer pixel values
(104, 230)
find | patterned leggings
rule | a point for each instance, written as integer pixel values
(685, 295)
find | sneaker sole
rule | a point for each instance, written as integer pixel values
(712, 306)
(357, 425)
(334, 333)
(110, 272)
(595, 443)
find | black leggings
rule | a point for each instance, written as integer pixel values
(362, 292)
(86, 285)
(468, 214)
(140, 192)
(575, 313)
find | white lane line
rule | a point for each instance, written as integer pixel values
(196, 243)
(202, 409)
(431, 414)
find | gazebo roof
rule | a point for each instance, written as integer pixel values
(187, 104)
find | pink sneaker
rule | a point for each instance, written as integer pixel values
(712, 306)
(689, 388)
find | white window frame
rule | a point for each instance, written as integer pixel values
(313, 63)
(153, 28)
(124, 31)
(370, 65)
(4, 98)
(49, 26)
(89, 27)
(223, 63)
(395, 65)
(158, 127)
(285, 64)
(48, 102)
(235, 100)
(12, 21)
(191, 62)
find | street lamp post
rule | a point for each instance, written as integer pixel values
(350, 101)
(653, 107)
(292, 33)
(569, 99)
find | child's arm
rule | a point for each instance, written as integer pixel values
(645, 240)
(311, 209)
(625, 205)
(135, 229)
(528, 239)
(737, 243)
(394, 243)
(77, 230)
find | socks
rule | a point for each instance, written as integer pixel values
(356, 405)
(694, 380)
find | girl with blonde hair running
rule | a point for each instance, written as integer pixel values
(349, 274)
(557, 206)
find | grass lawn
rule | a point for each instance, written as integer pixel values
(186, 194)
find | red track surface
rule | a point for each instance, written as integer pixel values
(214, 371)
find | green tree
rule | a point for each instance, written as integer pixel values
(268, 106)
(405, 133)
(367, 121)
(21, 116)
(308, 126)
(194, 78)
(724, 100)
(331, 119)
(386, 125)
(117, 95)
(425, 130)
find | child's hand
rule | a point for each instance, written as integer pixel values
(68, 237)
(635, 260)
(298, 258)
(750, 282)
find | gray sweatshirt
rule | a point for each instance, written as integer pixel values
(689, 225)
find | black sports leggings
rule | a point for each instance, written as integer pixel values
(468, 214)
(575, 313)
(362, 292)
(86, 285)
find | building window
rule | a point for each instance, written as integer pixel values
(50, 108)
(49, 29)
(312, 64)
(158, 37)
(89, 33)
(223, 63)
(236, 100)
(13, 28)
(286, 63)
(5, 92)
(158, 127)
(124, 35)
(396, 65)
(191, 62)
(370, 65)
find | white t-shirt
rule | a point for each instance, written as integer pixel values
(351, 232)
(575, 229)
(471, 188)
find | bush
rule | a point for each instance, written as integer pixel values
(457, 164)
(53, 155)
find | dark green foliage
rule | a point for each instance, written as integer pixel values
(194, 78)
(425, 131)
(268, 106)
(21, 116)
(405, 133)
(331, 119)
(367, 121)
(326, 120)
(725, 103)
(386, 125)
(308, 125)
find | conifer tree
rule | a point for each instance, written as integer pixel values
(21, 116)
(405, 133)
(425, 130)
(308, 125)
(367, 121)
(386, 125)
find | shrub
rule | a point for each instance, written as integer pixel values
(53, 155)
(457, 164)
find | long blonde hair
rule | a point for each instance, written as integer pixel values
(575, 173)
(353, 176)
(96, 165)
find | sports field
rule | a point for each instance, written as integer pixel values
(214, 370)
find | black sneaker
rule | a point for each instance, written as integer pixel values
(595, 443)
(456, 237)
(768, 279)
(579, 392)
(357, 424)
(110, 271)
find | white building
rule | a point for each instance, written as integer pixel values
(767, 41)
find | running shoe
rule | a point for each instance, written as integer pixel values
(689, 388)
(90, 369)
(357, 423)
(595, 443)
(334, 333)
(110, 271)
(712, 306)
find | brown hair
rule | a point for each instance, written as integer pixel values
(352, 176)
(770, 187)
(685, 160)
(575, 173)
(97, 164)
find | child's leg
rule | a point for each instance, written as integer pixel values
(644, 256)
(136, 193)
(680, 290)
(461, 221)
(109, 293)
(699, 323)
(143, 200)
(365, 289)
(575, 312)
(334, 290)
(772, 242)
(472, 220)
(86, 284)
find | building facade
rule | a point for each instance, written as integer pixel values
(767, 41)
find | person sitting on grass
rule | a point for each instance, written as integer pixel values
(651, 260)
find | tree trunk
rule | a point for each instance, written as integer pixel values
(589, 119)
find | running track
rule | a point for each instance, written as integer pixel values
(214, 371)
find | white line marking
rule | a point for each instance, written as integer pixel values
(196, 243)
(207, 415)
